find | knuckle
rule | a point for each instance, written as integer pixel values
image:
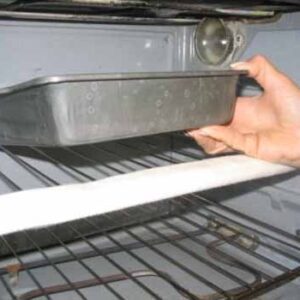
(213, 148)
(259, 59)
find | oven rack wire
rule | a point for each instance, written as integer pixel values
(202, 250)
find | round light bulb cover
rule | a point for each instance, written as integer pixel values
(214, 41)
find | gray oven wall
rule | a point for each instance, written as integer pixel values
(33, 49)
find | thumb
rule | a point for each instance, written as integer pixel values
(263, 71)
(246, 143)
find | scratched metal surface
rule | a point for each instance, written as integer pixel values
(75, 110)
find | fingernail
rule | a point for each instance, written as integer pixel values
(238, 65)
(204, 131)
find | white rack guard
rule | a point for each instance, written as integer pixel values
(48, 206)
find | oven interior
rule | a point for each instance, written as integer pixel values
(238, 242)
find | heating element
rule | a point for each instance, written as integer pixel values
(198, 248)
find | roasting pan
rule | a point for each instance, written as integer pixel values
(83, 109)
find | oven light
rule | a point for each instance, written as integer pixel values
(214, 41)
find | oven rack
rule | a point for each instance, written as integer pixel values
(203, 249)
(34, 167)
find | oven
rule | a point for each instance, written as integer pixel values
(237, 238)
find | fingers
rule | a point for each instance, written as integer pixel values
(272, 145)
(262, 71)
(209, 145)
(246, 143)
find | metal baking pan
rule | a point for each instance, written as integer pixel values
(82, 109)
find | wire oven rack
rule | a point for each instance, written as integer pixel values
(205, 250)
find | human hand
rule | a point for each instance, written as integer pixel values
(265, 126)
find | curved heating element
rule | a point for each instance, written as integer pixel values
(43, 207)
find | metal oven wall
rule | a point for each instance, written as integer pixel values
(32, 50)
